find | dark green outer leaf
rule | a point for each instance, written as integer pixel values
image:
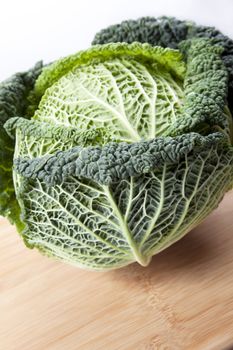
(116, 161)
(13, 102)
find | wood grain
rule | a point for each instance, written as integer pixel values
(183, 300)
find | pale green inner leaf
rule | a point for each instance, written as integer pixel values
(130, 99)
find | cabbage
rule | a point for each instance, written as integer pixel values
(120, 151)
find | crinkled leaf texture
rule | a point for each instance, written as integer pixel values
(169, 32)
(129, 149)
(14, 101)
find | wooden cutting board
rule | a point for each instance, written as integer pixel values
(183, 300)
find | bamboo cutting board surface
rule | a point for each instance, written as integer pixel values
(183, 300)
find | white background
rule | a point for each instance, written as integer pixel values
(49, 29)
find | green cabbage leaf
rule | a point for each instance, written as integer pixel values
(169, 32)
(14, 100)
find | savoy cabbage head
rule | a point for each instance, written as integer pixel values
(121, 149)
